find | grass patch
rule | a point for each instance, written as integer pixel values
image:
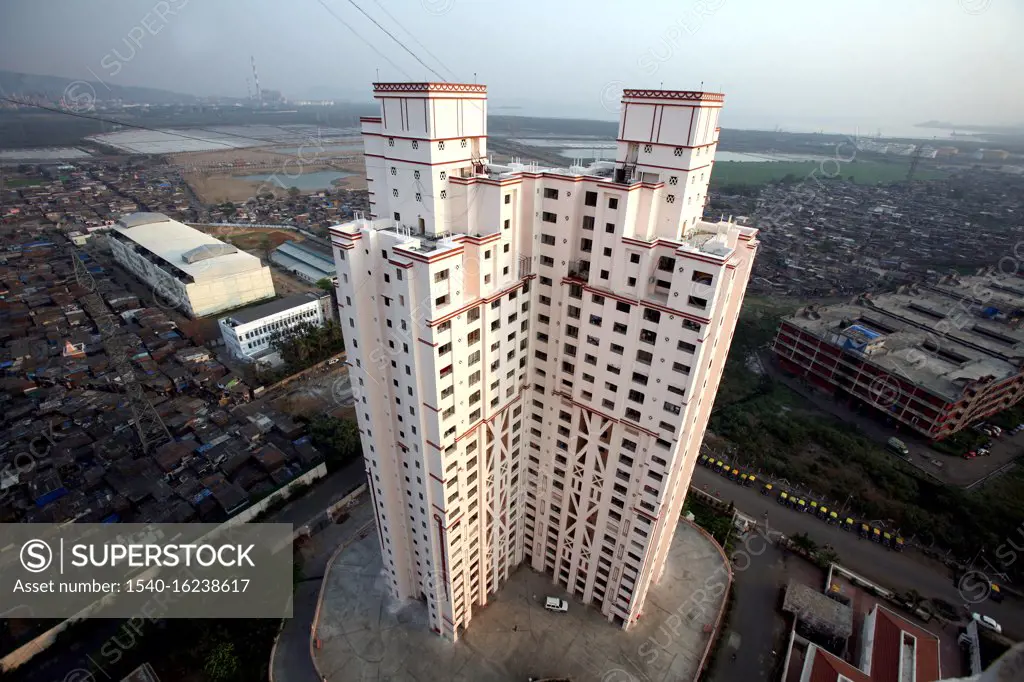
(860, 172)
(14, 183)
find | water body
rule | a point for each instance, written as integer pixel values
(307, 182)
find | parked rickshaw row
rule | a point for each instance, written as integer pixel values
(797, 503)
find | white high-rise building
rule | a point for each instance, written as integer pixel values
(534, 351)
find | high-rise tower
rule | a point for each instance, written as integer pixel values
(535, 351)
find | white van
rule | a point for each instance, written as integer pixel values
(556, 604)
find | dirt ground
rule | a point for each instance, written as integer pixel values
(220, 187)
(263, 154)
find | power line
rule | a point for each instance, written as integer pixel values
(77, 114)
(409, 33)
(357, 34)
(399, 42)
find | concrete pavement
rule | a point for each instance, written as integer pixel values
(368, 635)
(291, 661)
(900, 571)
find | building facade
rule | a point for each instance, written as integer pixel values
(534, 352)
(249, 334)
(196, 273)
(931, 358)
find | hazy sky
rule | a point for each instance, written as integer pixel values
(792, 63)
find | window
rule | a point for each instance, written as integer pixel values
(595, 320)
(686, 347)
(666, 264)
(692, 326)
(652, 315)
(680, 367)
(547, 239)
(440, 275)
(590, 199)
(506, 224)
(617, 349)
(391, 142)
(549, 217)
(605, 274)
(586, 245)
(609, 228)
(613, 203)
(473, 358)
(636, 396)
(639, 378)
(647, 336)
(697, 302)
(701, 277)
(508, 198)
(505, 248)
(550, 193)
(607, 251)
(473, 337)
(441, 300)
(487, 254)
(444, 348)
(671, 407)
(547, 260)
(644, 357)
(588, 222)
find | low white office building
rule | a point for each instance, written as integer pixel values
(198, 274)
(249, 333)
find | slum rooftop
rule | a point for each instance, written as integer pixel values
(940, 336)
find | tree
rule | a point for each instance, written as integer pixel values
(293, 192)
(326, 284)
(804, 542)
(221, 662)
(337, 438)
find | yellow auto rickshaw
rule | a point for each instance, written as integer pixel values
(767, 489)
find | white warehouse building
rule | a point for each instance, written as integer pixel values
(249, 333)
(534, 351)
(199, 274)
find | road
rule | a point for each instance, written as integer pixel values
(750, 646)
(898, 571)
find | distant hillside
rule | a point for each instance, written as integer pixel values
(52, 88)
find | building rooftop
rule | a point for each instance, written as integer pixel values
(195, 253)
(940, 336)
(821, 612)
(256, 312)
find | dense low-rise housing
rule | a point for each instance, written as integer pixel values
(67, 448)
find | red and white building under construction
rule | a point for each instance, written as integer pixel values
(933, 358)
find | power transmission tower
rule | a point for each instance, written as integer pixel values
(915, 159)
(150, 427)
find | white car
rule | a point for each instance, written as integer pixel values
(556, 604)
(987, 622)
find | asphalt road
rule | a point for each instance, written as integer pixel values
(899, 571)
(750, 647)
